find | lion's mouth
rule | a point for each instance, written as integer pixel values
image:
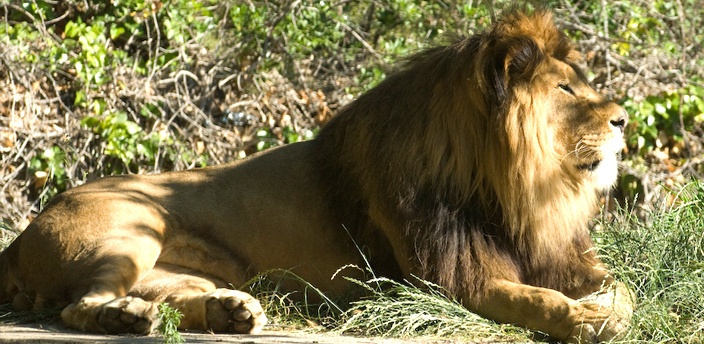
(591, 166)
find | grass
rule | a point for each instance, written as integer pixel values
(45, 317)
(662, 259)
(389, 309)
(306, 309)
(396, 309)
(169, 319)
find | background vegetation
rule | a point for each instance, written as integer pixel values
(91, 88)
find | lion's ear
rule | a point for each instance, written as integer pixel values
(522, 59)
(511, 61)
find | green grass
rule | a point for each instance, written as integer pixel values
(399, 309)
(389, 309)
(308, 308)
(662, 259)
(169, 319)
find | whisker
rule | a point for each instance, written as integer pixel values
(577, 147)
(582, 151)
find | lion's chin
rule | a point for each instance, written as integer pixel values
(601, 173)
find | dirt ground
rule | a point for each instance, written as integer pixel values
(57, 334)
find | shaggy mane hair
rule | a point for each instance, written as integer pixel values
(447, 157)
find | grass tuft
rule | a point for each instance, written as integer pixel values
(169, 319)
(397, 309)
(661, 258)
(306, 308)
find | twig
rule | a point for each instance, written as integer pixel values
(361, 40)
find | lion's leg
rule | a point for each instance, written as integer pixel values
(103, 279)
(204, 301)
(105, 307)
(87, 250)
(587, 320)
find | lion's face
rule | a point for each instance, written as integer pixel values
(587, 128)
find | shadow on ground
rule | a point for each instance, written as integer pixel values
(54, 334)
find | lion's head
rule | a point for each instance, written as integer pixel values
(543, 86)
(498, 131)
(558, 139)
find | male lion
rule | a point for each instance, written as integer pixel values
(476, 166)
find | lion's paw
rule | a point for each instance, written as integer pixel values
(234, 311)
(606, 316)
(597, 332)
(583, 333)
(128, 315)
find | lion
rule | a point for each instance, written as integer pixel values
(475, 166)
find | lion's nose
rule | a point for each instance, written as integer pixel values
(619, 121)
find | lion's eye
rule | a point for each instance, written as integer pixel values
(566, 88)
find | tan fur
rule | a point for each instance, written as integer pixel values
(475, 166)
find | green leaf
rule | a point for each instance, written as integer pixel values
(146, 150)
(90, 122)
(132, 128)
(120, 118)
(99, 77)
(80, 98)
(641, 142)
(48, 154)
(71, 30)
(116, 32)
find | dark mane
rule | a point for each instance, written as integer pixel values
(422, 157)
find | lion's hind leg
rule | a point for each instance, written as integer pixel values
(102, 305)
(204, 301)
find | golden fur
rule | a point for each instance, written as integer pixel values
(475, 166)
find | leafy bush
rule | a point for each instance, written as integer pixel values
(664, 117)
(49, 172)
(125, 139)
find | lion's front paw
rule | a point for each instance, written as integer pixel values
(606, 315)
(128, 315)
(234, 311)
